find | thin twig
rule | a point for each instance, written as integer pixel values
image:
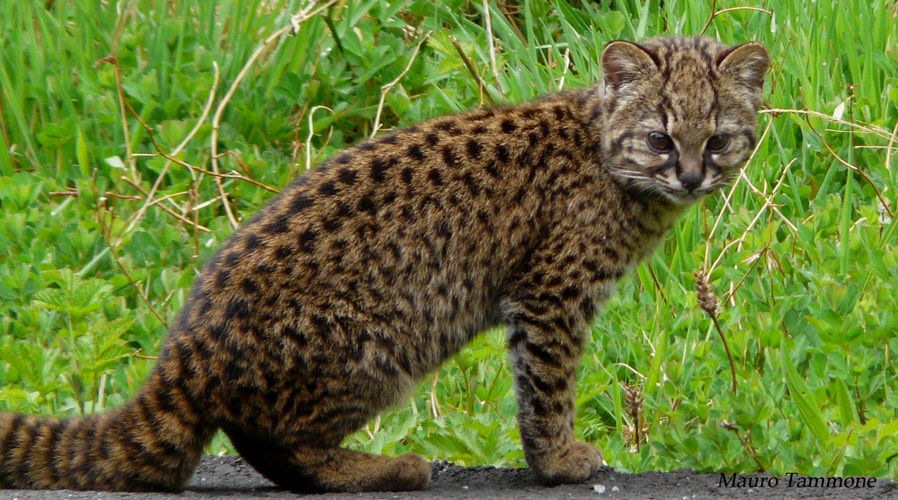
(168, 210)
(295, 21)
(112, 58)
(471, 69)
(567, 66)
(866, 128)
(848, 165)
(728, 196)
(312, 133)
(491, 44)
(385, 89)
(170, 158)
(708, 302)
(106, 229)
(715, 13)
(768, 203)
(889, 149)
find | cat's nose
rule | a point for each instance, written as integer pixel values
(690, 180)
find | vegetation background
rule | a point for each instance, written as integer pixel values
(136, 134)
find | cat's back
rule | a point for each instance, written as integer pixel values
(420, 224)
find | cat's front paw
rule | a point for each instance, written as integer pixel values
(574, 463)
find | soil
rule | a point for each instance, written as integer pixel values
(230, 477)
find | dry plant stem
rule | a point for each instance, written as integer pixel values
(746, 444)
(634, 409)
(754, 263)
(510, 17)
(567, 66)
(112, 58)
(729, 194)
(890, 148)
(492, 45)
(306, 13)
(715, 13)
(312, 133)
(726, 347)
(768, 203)
(471, 69)
(709, 304)
(848, 165)
(136, 218)
(170, 158)
(168, 210)
(384, 90)
(865, 128)
(106, 229)
(434, 399)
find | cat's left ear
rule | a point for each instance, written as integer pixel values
(746, 63)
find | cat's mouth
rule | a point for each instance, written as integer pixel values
(685, 193)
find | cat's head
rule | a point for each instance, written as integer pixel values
(680, 114)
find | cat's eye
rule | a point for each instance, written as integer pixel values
(660, 142)
(717, 143)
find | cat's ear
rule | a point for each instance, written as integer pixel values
(624, 62)
(746, 63)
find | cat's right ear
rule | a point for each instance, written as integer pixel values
(624, 62)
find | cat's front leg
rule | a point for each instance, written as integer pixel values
(545, 343)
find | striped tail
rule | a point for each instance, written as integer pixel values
(154, 443)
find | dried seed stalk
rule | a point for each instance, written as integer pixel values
(707, 299)
(633, 403)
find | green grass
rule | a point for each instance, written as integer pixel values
(107, 215)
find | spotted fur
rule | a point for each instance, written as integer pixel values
(371, 270)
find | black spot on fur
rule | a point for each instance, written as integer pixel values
(346, 176)
(328, 188)
(389, 139)
(560, 113)
(238, 308)
(502, 153)
(231, 259)
(283, 252)
(493, 170)
(343, 211)
(471, 184)
(307, 241)
(222, 278)
(570, 292)
(366, 204)
(249, 286)
(281, 224)
(331, 225)
(299, 203)
(415, 152)
(379, 169)
(473, 148)
(252, 242)
(449, 156)
(447, 126)
(539, 352)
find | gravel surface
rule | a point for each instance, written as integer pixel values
(230, 477)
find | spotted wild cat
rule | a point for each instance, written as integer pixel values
(369, 271)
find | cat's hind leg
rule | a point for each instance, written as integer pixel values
(306, 469)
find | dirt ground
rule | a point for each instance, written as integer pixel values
(230, 477)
